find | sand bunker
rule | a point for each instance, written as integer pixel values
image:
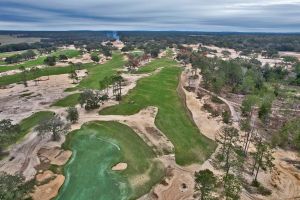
(55, 155)
(49, 190)
(119, 167)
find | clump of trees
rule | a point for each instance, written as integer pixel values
(206, 183)
(8, 131)
(288, 136)
(95, 58)
(14, 187)
(54, 126)
(90, 99)
(29, 54)
(62, 57)
(231, 158)
(50, 60)
(73, 114)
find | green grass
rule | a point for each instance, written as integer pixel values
(71, 100)
(133, 150)
(16, 78)
(26, 125)
(160, 90)
(40, 60)
(70, 53)
(100, 71)
(155, 64)
(6, 54)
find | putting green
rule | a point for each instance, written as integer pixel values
(98, 146)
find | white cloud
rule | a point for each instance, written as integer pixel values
(213, 15)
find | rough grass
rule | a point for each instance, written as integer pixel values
(26, 125)
(134, 151)
(100, 71)
(40, 60)
(160, 90)
(70, 100)
(155, 64)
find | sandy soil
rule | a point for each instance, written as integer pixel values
(290, 53)
(49, 190)
(46, 175)
(284, 180)
(119, 44)
(119, 167)
(35, 97)
(233, 53)
(56, 156)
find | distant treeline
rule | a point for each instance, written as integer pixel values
(245, 42)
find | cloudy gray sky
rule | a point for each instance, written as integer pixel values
(191, 15)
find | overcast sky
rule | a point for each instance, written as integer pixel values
(185, 15)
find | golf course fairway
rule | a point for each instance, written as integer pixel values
(98, 146)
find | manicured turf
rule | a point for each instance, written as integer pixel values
(99, 72)
(155, 64)
(39, 60)
(71, 100)
(96, 147)
(26, 125)
(172, 119)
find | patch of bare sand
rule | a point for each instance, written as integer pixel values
(207, 125)
(119, 167)
(284, 180)
(49, 190)
(19, 102)
(46, 175)
(55, 155)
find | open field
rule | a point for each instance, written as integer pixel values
(172, 119)
(7, 39)
(40, 60)
(108, 143)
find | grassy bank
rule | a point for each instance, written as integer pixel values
(160, 90)
(102, 138)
